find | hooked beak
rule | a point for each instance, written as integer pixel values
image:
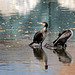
(41, 23)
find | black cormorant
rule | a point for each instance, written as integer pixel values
(63, 37)
(39, 37)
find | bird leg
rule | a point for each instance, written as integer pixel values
(41, 44)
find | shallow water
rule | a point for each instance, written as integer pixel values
(16, 57)
(17, 28)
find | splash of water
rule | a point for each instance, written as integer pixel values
(17, 6)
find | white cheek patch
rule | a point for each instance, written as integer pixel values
(44, 24)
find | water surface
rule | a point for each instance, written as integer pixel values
(16, 33)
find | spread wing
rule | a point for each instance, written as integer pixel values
(62, 38)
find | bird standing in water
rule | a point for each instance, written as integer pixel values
(63, 37)
(40, 36)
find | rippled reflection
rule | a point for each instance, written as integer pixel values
(63, 56)
(41, 56)
(18, 24)
(61, 52)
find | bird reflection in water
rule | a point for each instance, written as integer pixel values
(63, 55)
(40, 55)
(61, 52)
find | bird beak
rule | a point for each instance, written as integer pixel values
(41, 23)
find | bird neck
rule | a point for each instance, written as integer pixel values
(44, 29)
(46, 25)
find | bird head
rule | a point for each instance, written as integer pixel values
(43, 23)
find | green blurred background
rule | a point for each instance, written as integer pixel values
(20, 26)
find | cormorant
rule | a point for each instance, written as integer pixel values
(39, 37)
(63, 37)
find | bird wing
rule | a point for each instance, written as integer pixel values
(38, 37)
(63, 37)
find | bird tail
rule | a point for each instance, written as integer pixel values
(31, 43)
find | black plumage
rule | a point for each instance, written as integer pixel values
(63, 37)
(39, 37)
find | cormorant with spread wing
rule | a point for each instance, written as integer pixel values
(63, 37)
